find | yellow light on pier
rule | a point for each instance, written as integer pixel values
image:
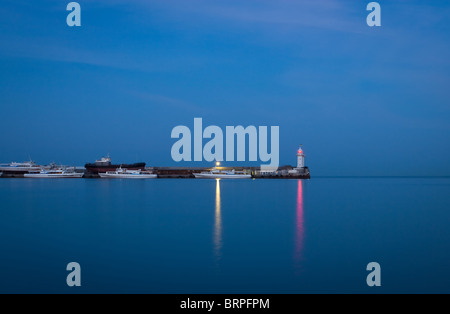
(217, 164)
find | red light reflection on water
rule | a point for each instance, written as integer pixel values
(300, 224)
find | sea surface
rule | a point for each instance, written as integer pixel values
(235, 236)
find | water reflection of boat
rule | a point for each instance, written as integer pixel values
(121, 173)
(222, 174)
(54, 173)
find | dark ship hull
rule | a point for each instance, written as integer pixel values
(96, 169)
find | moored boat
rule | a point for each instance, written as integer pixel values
(105, 165)
(121, 173)
(54, 173)
(19, 167)
(222, 174)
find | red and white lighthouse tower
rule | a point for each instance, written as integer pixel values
(300, 158)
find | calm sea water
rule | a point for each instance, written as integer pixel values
(242, 236)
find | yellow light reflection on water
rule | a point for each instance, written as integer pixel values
(218, 223)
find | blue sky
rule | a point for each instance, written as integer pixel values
(362, 101)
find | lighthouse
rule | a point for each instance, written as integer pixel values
(300, 158)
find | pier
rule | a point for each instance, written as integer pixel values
(104, 167)
(284, 172)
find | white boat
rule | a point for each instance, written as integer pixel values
(17, 167)
(222, 174)
(127, 174)
(54, 173)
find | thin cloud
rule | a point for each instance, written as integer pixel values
(165, 101)
(282, 14)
